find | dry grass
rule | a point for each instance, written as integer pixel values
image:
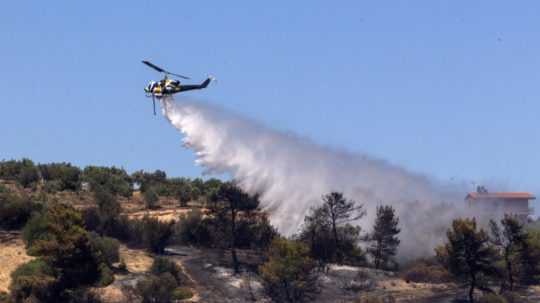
(165, 214)
(12, 254)
(137, 261)
(110, 294)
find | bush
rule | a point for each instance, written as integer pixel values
(106, 275)
(289, 274)
(257, 233)
(33, 280)
(106, 249)
(61, 176)
(35, 229)
(15, 210)
(151, 199)
(53, 186)
(91, 219)
(156, 234)
(182, 293)
(192, 229)
(157, 289)
(112, 179)
(425, 271)
(60, 239)
(163, 265)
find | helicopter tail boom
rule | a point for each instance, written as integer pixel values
(196, 86)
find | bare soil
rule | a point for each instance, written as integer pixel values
(12, 254)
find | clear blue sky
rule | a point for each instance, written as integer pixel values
(446, 88)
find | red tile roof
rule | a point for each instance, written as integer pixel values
(500, 195)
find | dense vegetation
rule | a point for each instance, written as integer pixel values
(78, 248)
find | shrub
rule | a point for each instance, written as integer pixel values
(157, 289)
(193, 229)
(151, 199)
(53, 186)
(106, 249)
(33, 280)
(61, 176)
(64, 245)
(289, 274)
(15, 210)
(257, 233)
(425, 271)
(106, 276)
(35, 229)
(112, 179)
(163, 265)
(182, 293)
(156, 234)
(91, 219)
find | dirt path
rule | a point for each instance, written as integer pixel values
(212, 280)
(12, 254)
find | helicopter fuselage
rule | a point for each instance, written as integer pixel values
(168, 87)
(163, 87)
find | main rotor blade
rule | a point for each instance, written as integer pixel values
(179, 76)
(161, 70)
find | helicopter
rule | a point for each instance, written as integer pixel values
(168, 87)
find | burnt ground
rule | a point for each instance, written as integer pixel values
(211, 276)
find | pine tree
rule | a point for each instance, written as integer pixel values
(340, 211)
(228, 201)
(384, 237)
(530, 259)
(510, 241)
(468, 256)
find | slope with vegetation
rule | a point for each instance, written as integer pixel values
(102, 234)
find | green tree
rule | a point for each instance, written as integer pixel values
(67, 177)
(147, 180)
(468, 255)
(105, 249)
(329, 234)
(65, 246)
(185, 194)
(15, 210)
(340, 211)
(35, 229)
(33, 282)
(229, 201)
(151, 199)
(317, 233)
(290, 274)
(156, 234)
(384, 237)
(530, 259)
(163, 265)
(112, 179)
(157, 289)
(23, 171)
(108, 210)
(509, 241)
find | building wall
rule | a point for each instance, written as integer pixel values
(506, 206)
